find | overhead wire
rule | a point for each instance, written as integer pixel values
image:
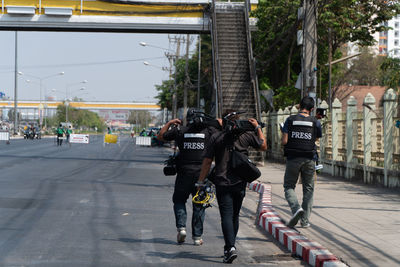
(83, 64)
(89, 63)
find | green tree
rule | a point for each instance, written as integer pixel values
(364, 69)
(275, 42)
(165, 92)
(141, 118)
(11, 115)
(79, 118)
(390, 75)
(165, 89)
(361, 70)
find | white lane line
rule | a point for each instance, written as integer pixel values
(147, 247)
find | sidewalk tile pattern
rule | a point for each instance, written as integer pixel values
(311, 252)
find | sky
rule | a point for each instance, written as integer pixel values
(111, 63)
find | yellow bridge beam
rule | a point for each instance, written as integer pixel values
(82, 105)
(107, 15)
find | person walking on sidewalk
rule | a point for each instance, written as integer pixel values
(230, 189)
(191, 140)
(299, 134)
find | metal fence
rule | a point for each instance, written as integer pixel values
(362, 145)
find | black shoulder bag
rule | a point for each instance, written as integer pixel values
(242, 166)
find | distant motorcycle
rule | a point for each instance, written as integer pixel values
(26, 134)
(29, 134)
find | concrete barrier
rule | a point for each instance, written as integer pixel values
(4, 136)
(311, 252)
(143, 141)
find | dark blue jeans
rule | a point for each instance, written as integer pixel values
(230, 199)
(184, 187)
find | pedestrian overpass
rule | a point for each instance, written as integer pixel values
(52, 105)
(159, 16)
(229, 24)
(30, 110)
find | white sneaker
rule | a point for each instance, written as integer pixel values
(197, 241)
(295, 218)
(181, 235)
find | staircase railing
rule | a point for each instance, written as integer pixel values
(252, 62)
(216, 62)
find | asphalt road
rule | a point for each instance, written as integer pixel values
(95, 205)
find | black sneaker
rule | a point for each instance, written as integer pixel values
(230, 256)
(295, 218)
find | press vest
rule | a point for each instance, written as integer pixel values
(301, 136)
(191, 146)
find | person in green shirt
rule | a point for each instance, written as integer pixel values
(68, 132)
(60, 134)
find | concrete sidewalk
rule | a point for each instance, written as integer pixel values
(359, 224)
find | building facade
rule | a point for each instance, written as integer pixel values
(389, 41)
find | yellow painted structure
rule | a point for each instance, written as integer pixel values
(108, 15)
(105, 8)
(110, 138)
(83, 105)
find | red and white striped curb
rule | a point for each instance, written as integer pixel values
(311, 252)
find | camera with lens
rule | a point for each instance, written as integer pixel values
(238, 127)
(201, 119)
(318, 167)
(321, 113)
(246, 126)
(170, 166)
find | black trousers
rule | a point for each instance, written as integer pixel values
(59, 141)
(230, 199)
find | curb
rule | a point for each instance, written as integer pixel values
(311, 252)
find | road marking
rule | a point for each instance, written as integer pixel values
(129, 254)
(147, 166)
(147, 246)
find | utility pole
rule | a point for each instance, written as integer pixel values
(16, 85)
(309, 66)
(171, 61)
(198, 74)
(175, 57)
(330, 69)
(187, 81)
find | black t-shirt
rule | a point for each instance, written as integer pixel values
(196, 157)
(218, 147)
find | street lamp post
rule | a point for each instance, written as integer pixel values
(173, 57)
(67, 101)
(41, 79)
(67, 94)
(16, 85)
(150, 45)
(162, 68)
(329, 64)
(155, 66)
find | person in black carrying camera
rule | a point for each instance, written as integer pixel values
(191, 140)
(299, 134)
(230, 189)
